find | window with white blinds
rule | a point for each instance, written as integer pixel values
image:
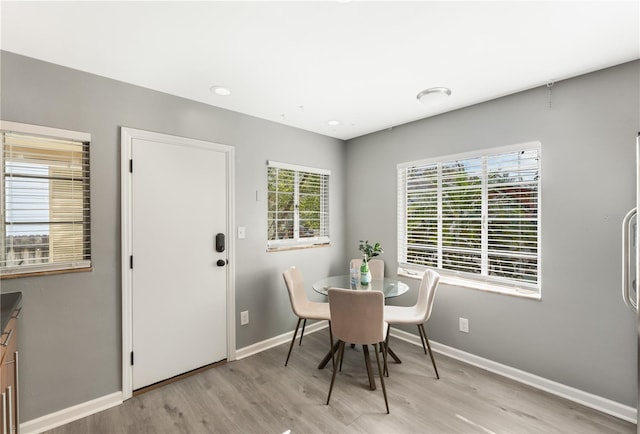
(473, 216)
(45, 200)
(298, 205)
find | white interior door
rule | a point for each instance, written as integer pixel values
(178, 288)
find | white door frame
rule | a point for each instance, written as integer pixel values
(127, 136)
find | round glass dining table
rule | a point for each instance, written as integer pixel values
(390, 287)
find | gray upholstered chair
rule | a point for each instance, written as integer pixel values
(301, 305)
(376, 267)
(357, 318)
(419, 313)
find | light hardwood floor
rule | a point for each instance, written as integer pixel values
(259, 395)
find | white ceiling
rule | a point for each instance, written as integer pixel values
(305, 63)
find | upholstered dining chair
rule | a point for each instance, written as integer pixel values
(419, 313)
(376, 267)
(357, 317)
(301, 305)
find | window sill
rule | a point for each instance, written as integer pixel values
(474, 284)
(293, 247)
(45, 273)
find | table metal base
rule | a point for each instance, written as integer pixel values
(367, 360)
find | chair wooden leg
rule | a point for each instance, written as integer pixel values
(341, 357)
(333, 360)
(367, 363)
(333, 375)
(422, 338)
(304, 324)
(292, 341)
(433, 361)
(384, 389)
(386, 352)
(385, 357)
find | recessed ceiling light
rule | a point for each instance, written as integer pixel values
(220, 90)
(433, 95)
(333, 123)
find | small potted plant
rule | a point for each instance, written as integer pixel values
(368, 251)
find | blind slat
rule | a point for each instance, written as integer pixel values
(46, 221)
(475, 216)
(298, 204)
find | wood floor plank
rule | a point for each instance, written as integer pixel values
(259, 395)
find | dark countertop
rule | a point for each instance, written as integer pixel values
(8, 302)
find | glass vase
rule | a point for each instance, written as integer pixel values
(365, 274)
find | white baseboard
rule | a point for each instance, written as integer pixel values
(64, 416)
(277, 340)
(70, 414)
(604, 405)
(599, 403)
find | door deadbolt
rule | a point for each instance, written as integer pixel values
(220, 243)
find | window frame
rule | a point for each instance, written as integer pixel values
(66, 266)
(464, 279)
(297, 242)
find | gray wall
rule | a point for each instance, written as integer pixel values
(70, 331)
(580, 333)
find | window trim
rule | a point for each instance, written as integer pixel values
(448, 279)
(37, 130)
(468, 280)
(298, 243)
(45, 268)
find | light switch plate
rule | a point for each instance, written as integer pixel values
(244, 317)
(242, 232)
(463, 325)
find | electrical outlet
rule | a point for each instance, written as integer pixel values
(463, 325)
(244, 317)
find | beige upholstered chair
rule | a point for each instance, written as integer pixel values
(376, 266)
(357, 318)
(301, 305)
(419, 313)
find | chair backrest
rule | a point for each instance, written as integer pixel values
(357, 317)
(427, 293)
(295, 285)
(376, 267)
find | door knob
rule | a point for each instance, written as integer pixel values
(221, 263)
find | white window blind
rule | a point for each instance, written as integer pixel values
(298, 205)
(45, 203)
(475, 216)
